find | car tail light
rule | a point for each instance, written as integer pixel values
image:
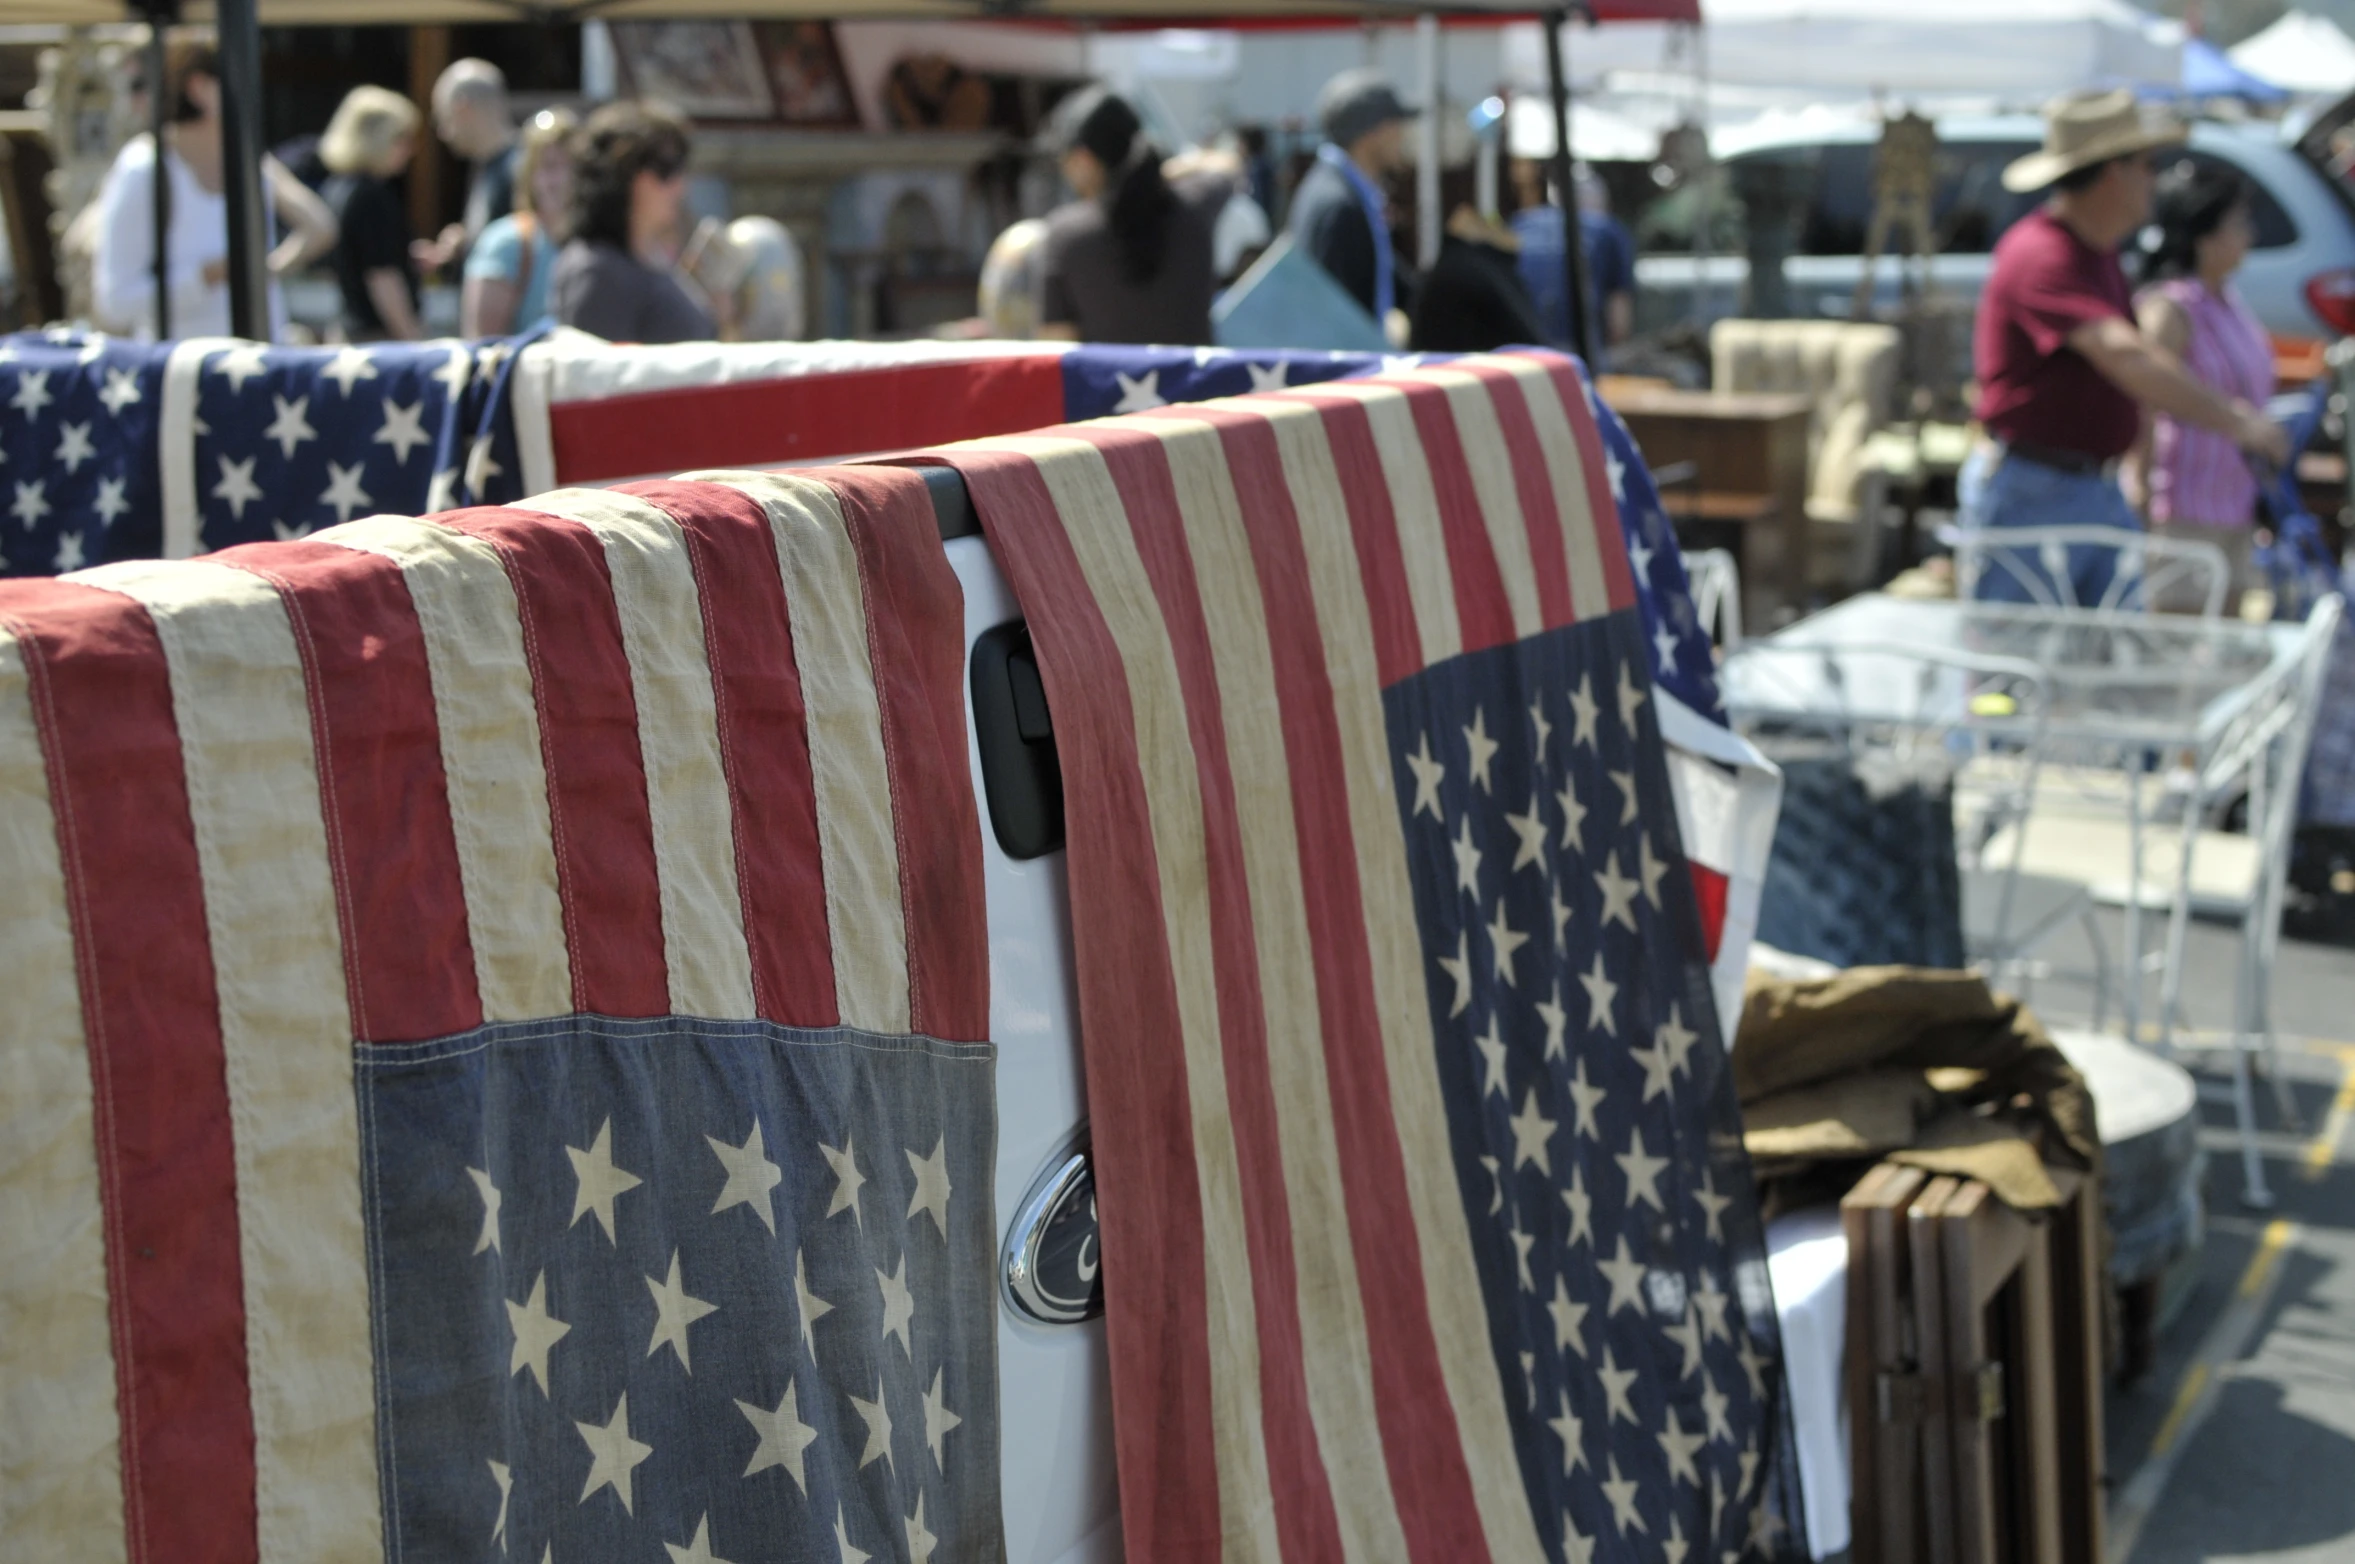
(2331, 295)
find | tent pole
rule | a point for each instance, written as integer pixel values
(241, 167)
(1427, 222)
(159, 116)
(1566, 189)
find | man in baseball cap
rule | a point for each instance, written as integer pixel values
(2064, 374)
(1340, 214)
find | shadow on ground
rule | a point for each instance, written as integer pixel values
(2258, 1480)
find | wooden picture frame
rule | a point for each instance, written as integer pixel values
(807, 81)
(705, 70)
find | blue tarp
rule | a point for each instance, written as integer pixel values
(2209, 73)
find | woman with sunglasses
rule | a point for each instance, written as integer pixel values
(617, 274)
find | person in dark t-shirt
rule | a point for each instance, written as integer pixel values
(474, 119)
(366, 147)
(1473, 300)
(2064, 374)
(615, 275)
(1339, 212)
(1131, 259)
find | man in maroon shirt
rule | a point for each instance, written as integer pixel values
(2064, 374)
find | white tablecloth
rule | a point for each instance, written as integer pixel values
(1808, 1258)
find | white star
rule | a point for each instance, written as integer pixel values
(1601, 992)
(1626, 1276)
(1569, 1320)
(1673, 1550)
(1658, 1081)
(614, 1455)
(241, 364)
(292, 426)
(1686, 1334)
(1550, 1011)
(1531, 1131)
(1713, 1407)
(69, 553)
(237, 487)
(1505, 942)
(1618, 895)
(1572, 1433)
(457, 367)
(1545, 729)
(1749, 1467)
(699, 1550)
(1625, 782)
(480, 469)
(348, 366)
(938, 1420)
(751, 1176)
(122, 390)
(1631, 699)
(1643, 1172)
(111, 502)
(899, 1306)
(1679, 1447)
(1664, 643)
(1713, 1205)
(878, 1419)
(1584, 1099)
(920, 1541)
(1459, 967)
(343, 489)
(932, 1186)
(506, 1482)
(1622, 1494)
(1618, 472)
(1531, 829)
(848, 1180)
(32, 503)
(1496, 1184)
(1492, 1055)
(1561, 913)
(597, 1180)
(1640, 556)
(1649, 869)
(1428, 774)
(1573, 816)
(674, 1311)
(1709, 1303)
(488, 358)
(489, 1237)
(1270, 377)
(536, 1331)
(1522, 1243)
(1753, 1368)
(32, 393)
(1615, 1386)
(809, 1303)
(1583, 711)
(1581, 1206)
(1467, 860)
(783, 1438)
(92, 350)
(403, 428)
(1139, 394)
(850, 1555)
(1481, 747)
(1577, 1546)
(74, 447)
(1764, 1523)
(1677, 1039)
(288, 531)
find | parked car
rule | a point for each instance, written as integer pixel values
(2305, 218)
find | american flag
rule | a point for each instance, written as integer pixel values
(1423, 1198)
(496, 1047)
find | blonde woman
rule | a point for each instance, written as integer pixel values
(367, 146)
(508, 270)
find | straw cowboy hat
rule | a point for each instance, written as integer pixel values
(2085, 128)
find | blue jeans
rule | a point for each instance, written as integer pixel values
(2021, 493)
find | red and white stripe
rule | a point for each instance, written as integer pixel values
(1298, 1328)
(383, 785)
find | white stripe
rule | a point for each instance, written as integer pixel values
(687, 798)
(1482, 436)
(527, 400)
(240, 700)
(1590, 592)
(61, 1484)
(850, 771)
(1414, 502)
(175, 445)
(491, 761)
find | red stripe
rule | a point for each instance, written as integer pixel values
(1710, 889)
(916, 643)
(1148, 1194)
(1424, 1452)
(1306, 1525)
(166, 1167)
(1534, 483)
(1373, 529)
(597, 812)
(803, 418)
(1602, 504)
(764, 746)
(1481, 605)
(408, 961)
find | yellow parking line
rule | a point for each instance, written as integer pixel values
(2186, 1395)
(2269, 1247)
(2324, 1149)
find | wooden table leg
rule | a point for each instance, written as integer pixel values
(1932, 1335)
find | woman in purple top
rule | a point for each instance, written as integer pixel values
(2193, 483)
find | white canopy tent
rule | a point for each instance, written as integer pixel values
(2300, 53)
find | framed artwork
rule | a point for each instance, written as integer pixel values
(811, 89)
(705, 70)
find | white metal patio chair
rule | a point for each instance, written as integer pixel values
(2038, 561)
